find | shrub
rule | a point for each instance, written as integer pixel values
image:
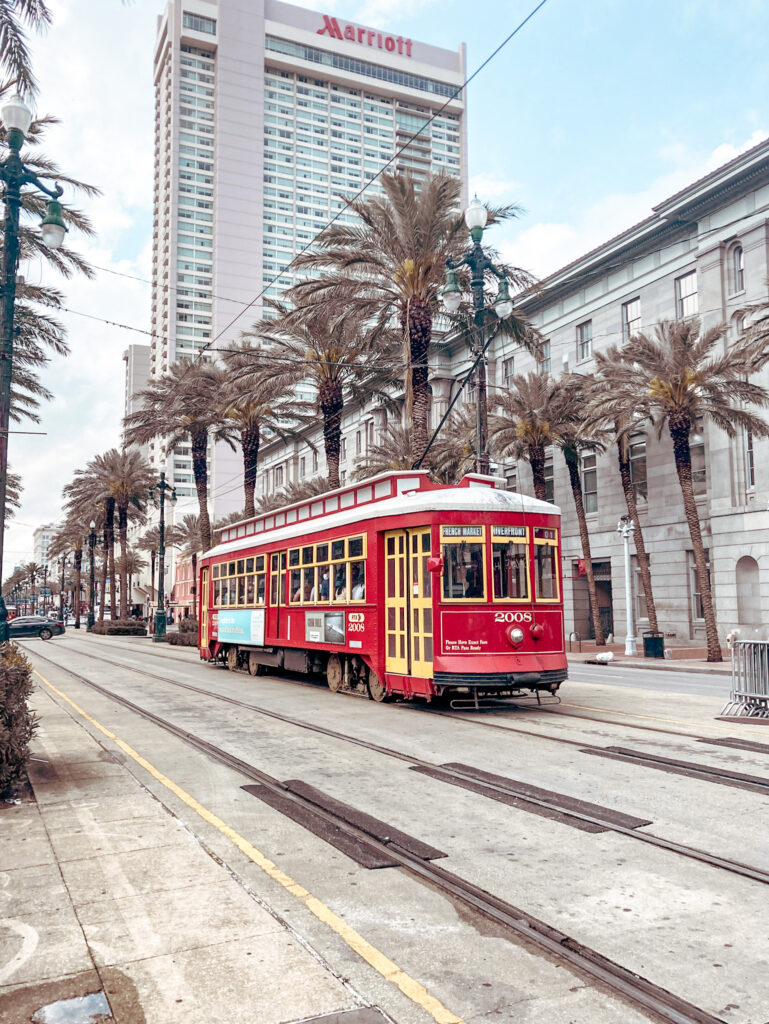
(183, 639)
(188, 626)
(17, 722)
(120, 627)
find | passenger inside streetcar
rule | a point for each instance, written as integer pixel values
(340, 587)
(358, 581)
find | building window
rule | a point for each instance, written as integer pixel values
(738, 325)
(549, 485)
(750, 467)
(686, 295)
(543, 363)
(637, 458)
(198, 23)
(697, 612)
(584, 340)
(302, 467)
(508, 370)
(589, 474)
(511, 478)
(315, 462)
(343, 449)
(699, 466)
(278, 476)
(631, 318)
(358, 442)
(736, 270)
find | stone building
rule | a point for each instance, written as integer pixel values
(703, 251)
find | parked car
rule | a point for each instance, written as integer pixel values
(34, 625)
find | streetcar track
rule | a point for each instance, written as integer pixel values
(502, 793)
(639, 991)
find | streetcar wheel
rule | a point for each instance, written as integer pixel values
(376, 690)
(334, 672)
(232, 659)
(254, 666)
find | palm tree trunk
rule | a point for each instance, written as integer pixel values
(110, 524)
(122, 525)
(638, 537)
(331, 403)
(417, 326)
(249, 441)
(576, 490)
(104, 567)
(200, 470)
(679, 432)
(78, 566)
(536, 455)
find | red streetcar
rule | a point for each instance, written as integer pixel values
(394, 586)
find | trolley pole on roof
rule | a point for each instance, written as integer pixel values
(478, 263)
(160, 612)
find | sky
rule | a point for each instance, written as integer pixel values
(595, 111)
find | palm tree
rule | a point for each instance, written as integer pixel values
(680, 375)
(185, 405)
(622, 427)
(12, 495)
(69, 537)
(520, 425)
(14, 54)
(190, 539)
(129, 481)
(335, 356)
(257, 404)
(150, 541)
(389, 266)
(134, 563)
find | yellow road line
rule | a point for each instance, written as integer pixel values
(376, 959)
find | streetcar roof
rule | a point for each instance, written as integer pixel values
(441, 499)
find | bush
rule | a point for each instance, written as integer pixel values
(188, 626)
(17, 722)
(183, 638)
(120, 627)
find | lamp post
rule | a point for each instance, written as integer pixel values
(478, 263)
(626, 529)
(160, 613)
(17, 118)
(61, 591)
(91, 591)
(45, 586)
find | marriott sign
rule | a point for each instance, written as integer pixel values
(367, 36)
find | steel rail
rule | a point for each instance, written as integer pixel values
(635, 989)
(669, 845)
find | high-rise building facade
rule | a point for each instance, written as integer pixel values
(43, 536)
(265, 113)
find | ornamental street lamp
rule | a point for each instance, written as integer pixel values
(478, 262)
(91, 591)
(17, 118)
(64, 566)
(626, 529)
(160, 612)
(45, 587)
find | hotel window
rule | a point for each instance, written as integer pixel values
(736, 270)
(631, 318)
(686, 295)
(589, 473)
(549, 484)
(198, 23)
(543, 363)
(508, 370)
(278, 476)
(697, 612)
(699, 465)
(637, 459)
(302, 467)
(750, 468)
(343, 449)
(315, 462)
(584, 340)
(358, 442)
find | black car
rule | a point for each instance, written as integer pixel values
(34, 625)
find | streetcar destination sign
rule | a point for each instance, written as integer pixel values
(462, 531)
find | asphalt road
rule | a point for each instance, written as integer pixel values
(705, 684)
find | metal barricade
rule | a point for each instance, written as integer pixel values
(749, 697)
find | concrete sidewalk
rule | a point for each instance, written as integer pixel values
(105, 894)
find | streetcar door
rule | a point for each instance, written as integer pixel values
(204, 598)
(396, 602)
(421, 604)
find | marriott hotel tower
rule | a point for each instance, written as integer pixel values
(264, 113)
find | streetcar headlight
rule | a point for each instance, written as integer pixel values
(516, 635)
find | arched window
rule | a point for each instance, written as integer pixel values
(736, 270)
(748, 592)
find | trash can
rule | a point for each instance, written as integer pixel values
(654, 644)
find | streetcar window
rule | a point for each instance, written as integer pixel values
(357, 581)
(463, 575)
(546, 572)
(510, 571)
(249, 589)
(249, 565)
(321, 553)
(261, 587)
(217, 592)
(241, 590)
(307, 554)
(426, 542)
(295, 586)
(337, 549)
(283, 559)
(216, 572)
(260, 563)
(225, 593)
(274, 588)
(355, 547)
(308, 584)
(340, 581)
(324, 580)
(232, 568)
(240, 564)
(293, 557)
(274, 563)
